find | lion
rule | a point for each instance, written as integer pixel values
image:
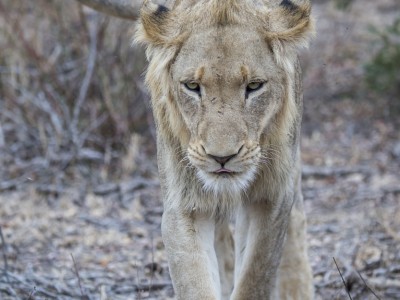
(226, 94)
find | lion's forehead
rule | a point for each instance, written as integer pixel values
(223, 52)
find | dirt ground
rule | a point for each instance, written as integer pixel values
(103, 241)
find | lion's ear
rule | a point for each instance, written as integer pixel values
(154, 24)
(291, 27)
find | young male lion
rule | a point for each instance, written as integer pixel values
(227, 99)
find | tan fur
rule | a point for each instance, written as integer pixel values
(220, 47)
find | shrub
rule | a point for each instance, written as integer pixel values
(382, 73)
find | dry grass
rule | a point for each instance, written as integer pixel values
(70, 91)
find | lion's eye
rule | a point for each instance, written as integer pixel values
(192, 86)
(253, 86)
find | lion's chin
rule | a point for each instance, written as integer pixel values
(227, 184)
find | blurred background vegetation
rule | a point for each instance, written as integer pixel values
(383, 70)
(72, 100)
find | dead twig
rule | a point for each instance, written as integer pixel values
(152, 261)
(359, 274)
(78, 276)
(22, 281)
(344, 282)
(4, 247)
(138, 289)
(32, 293)
(50, 282)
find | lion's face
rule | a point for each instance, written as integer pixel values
(221, 75)
(228, 89)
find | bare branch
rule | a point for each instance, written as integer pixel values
(91, 62)
(126, 9)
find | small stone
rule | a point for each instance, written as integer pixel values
(368, 256)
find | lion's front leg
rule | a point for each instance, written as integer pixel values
(189, 241)
(224, 249)
(294, 274)
(259, 236)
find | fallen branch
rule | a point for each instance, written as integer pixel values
(4, 247)
(11, 184)
(384, 283)
(153, 286)
(323, 172)
(142, 287)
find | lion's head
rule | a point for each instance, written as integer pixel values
(222, 76)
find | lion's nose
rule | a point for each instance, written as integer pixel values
(222, 159)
